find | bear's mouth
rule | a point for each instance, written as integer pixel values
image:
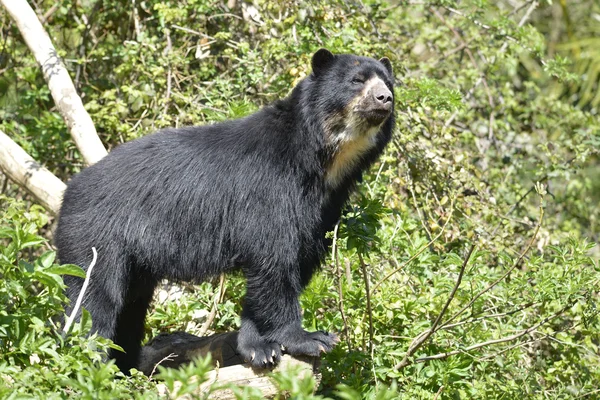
(375, 116)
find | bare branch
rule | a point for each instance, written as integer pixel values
(532, 7)
(421, 338)
(336, 257)
(56, 75)
(490, 316)
(169, 357)
(439, 392)
(495, 341)
(515, 265)
(469, 53)
(213, 309)
(26, 172)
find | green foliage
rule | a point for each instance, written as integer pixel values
(36, 359)
(497, 123)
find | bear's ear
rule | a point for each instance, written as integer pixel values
(321, 59)
(387, 64)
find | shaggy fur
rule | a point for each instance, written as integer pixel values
(252, 194)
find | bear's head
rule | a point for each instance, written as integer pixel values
(355, 102)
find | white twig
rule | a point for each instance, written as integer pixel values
(81, 293)
(532, 7)
(170, 357)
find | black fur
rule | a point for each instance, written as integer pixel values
(190, 203)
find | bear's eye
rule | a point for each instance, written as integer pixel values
(358, 80)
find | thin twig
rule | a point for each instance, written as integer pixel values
(532, 7)
(81, 292)
(469, 54)
(213, 309)
(531, 189)
(495, 341)
(587, 394)
(414, 197)
(498, 315)
(363, 267)
(421, 338)
(493, 284)
(188, 30)
(170, 357)
(506, 349)
(49, 13)
(169, 72)
(421, 250)
(336, 257)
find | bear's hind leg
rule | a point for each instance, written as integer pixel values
(130, 325)
(101, 303)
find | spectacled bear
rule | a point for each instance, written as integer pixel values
(257, 194)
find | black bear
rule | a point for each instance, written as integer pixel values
(257, 194)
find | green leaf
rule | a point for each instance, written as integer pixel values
(47, 259)
(67, 269)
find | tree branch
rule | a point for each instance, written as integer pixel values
(363, 267)
(27, 173)
(213, 309)
(515, 265)
(336, 259)
(56, 75)
(495, 341)
(86, 282)
(421, 338)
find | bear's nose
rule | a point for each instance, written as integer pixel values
(383, 96)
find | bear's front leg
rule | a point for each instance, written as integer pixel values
(272, 322)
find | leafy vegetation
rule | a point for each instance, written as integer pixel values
(466, 265)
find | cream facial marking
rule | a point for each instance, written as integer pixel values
(350, 137)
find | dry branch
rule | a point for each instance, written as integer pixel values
(336, 259)
(24, 171)
(213, 309)
(363, 268)
(56, 75)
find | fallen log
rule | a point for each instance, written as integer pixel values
(179, 348)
